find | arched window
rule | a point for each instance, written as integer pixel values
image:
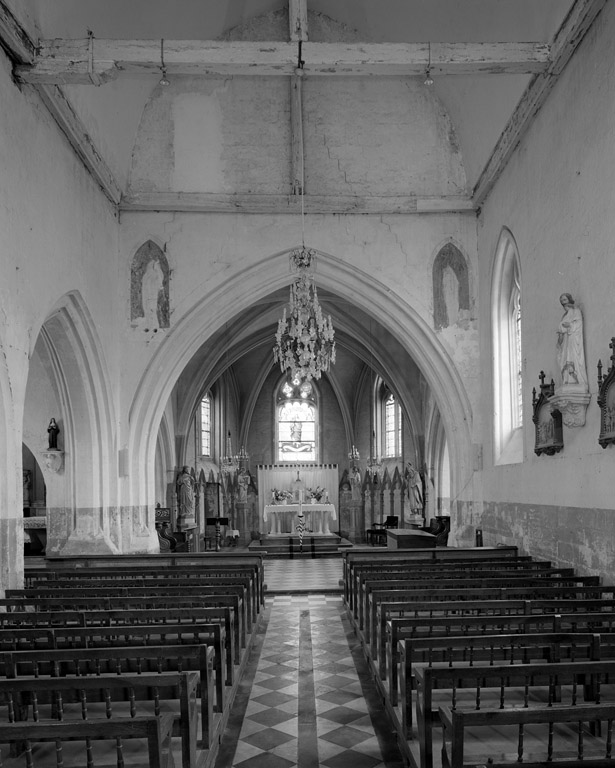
(296, 417)
(205, 425)
(392, 427)
(507, 352)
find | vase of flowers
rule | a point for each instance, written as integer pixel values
(280, 497)
(315, 494)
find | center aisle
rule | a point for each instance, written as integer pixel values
(307, 699)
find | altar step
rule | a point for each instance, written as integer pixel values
(289, 547)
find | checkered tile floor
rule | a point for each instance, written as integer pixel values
(307, 699)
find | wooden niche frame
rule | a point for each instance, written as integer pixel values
(606, 400)
(549, 438)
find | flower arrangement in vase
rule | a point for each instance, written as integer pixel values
(279, 497)
(316, 494)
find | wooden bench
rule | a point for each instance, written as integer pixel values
(157, 586)
(425, 572)
(52, 699)
(392, 626)
(50, 609)
(126, 635)
(417, 653)
(579, 751)
(135, 660)
(68, 736)
(190, 564)
(528, 685)
(476, 596)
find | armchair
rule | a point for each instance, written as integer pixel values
(378, 532)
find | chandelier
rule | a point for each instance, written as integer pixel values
(304, 340)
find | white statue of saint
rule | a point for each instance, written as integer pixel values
(570, 349)
(150, 290)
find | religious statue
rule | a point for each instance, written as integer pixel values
(570, 350)
(53, 431)
(414, 488)
(185, 494)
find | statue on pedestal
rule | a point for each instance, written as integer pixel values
(53, 431)
(185, 495)
(570, 349)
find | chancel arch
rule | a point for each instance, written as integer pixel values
(216, 309)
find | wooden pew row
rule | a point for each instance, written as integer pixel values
(155, 730)
(590, 753)
(113, 697)
(484, 650)
(78, 663)
(529, 685)
(426, 572)
(156, 585)
(110, 610)
(159, 564)
(80, 595)
(445, 556)
(41, 638)
(476, 595)
(123, 617)
(394, 620)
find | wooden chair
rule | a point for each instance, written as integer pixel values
(378, 532)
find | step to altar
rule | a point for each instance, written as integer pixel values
(290, 546)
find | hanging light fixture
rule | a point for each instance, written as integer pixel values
(229, 463)
(304, 342)
(428, 78)
(163, 80)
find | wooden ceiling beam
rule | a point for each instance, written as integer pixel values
(14, 39)
(92, 60)
(573, 29)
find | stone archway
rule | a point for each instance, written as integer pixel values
(216, 308)
(68, 380)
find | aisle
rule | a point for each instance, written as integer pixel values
(307, 699)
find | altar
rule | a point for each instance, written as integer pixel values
(282, 518)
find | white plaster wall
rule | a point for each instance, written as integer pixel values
(386, 137)
(557, 197)
(59, 236)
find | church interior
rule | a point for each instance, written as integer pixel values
(322, 280)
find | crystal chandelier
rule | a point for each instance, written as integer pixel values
(304, 340)
(229, 463)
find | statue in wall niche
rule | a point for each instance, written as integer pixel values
(185, 493)
(570, 349)
(53, 431)
(151, 287)
(415, 488)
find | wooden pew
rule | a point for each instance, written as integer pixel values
(456, 723)
(528, 685)
(477, 595)
(487, 650)
(157, 586)
(53, 699)
(167, 564)
(134, 660)
(40, 638)
(156, 730)
(426, 571)
(27, 609)
(393, 625)
(121, 615)
(80, 595)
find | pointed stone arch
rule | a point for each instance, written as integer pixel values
(217, 307)
(82, 495)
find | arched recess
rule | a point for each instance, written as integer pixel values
(451, 286)
(68, 376)
(216, 308)
(11, 487)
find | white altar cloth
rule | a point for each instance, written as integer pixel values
(283, 517)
